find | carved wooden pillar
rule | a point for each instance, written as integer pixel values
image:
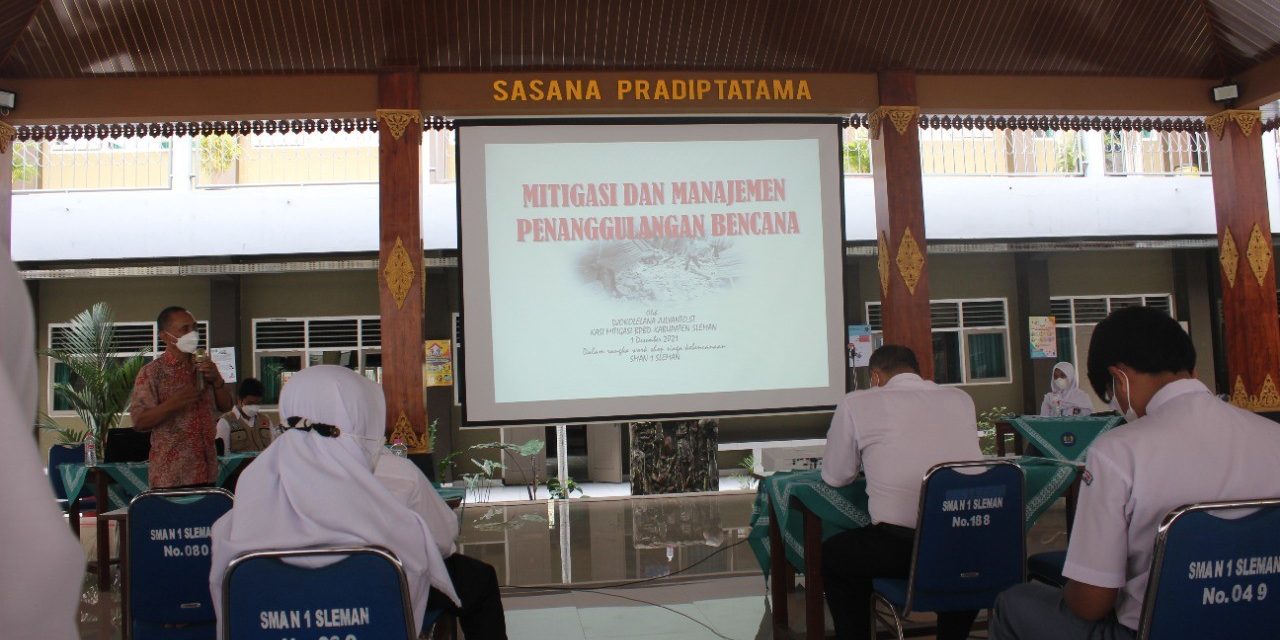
(904, 275)
(1248, 270)
(400, 276)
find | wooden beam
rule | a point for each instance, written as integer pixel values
(899, 199)
(400, 275)
(1246, 260)
(1260, 85)
(159, 99)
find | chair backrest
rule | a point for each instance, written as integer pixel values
(60, 454)
(1214, 577)
(169, 550)
(970, 543)
(361, 593)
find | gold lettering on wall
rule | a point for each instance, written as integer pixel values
(652, 90)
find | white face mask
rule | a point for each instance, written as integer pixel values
(188, 342)
(1061, 384)
(250, 410)
(1130, 415)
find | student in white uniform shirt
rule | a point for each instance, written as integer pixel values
(244, 428)
(896, 432)
(1065, 399)
(1182, 445)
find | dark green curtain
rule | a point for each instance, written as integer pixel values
(986, 356)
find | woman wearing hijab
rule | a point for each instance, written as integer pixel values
(1065, 397)
(314, 486)
(41, 562)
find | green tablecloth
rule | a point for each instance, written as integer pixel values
(1064, 439)
(450, 493)
(128, 479)
(846, 507)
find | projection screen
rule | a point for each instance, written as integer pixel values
(616, 270)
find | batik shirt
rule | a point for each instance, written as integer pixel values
(182, 450)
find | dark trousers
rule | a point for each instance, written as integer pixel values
(480, 615)
(851, 559)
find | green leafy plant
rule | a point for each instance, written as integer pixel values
(515, 452)
(987, 427)
(101, 382)
(66, 434)
(747, 476)
(219, 152)
(857, 156)
(557, 492)
(25, 166)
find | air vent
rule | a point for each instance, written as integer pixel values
(984, 313)
(280, 334)
(1060, 308)
(873, 316)
(1159, 302)
(944, 315)
(129, 338)
(1090, 310)
(371, 332)
(333, 333)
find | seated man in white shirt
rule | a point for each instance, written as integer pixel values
(896, 432)
(1182, 445)
(481, 614)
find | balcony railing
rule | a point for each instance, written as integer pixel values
(1157, 153)
(1001, 152)
(78, 165)
(285, 159)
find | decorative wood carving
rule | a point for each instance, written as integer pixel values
(399, 273)
(7, 134)
(910, 261)
(1229, 257)
(1246, 119)
(900, 116)
(882, 263)
(404, 431)
(397, 120)
(1267, 399)
(1259, 254)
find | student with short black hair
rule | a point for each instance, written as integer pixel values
(1182, 445)
(244, 428)
(896, 431)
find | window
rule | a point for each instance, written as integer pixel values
(1076, 317)
(131, 338)
(970, 340)
(439, 147)
(857, 151)
(285, 346)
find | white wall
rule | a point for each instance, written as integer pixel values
(185, 222)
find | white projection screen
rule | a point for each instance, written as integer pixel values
(631, 269)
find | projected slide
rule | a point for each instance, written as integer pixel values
(650, 270)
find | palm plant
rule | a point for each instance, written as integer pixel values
(101, 381)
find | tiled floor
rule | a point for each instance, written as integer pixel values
(541, 553)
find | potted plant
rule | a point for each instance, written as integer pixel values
(218, 155)
(101, 381)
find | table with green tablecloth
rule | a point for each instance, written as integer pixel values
(128, 479)
(810, 500)
(1064, 439)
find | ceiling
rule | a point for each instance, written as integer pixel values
(1152, 38)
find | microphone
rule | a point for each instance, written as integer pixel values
(200, 357)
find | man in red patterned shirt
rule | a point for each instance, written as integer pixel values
(181, 417)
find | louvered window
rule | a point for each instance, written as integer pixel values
(1076, 316)
(284, 346)
(970, 339)
(129, 339)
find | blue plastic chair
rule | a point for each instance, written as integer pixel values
(1213, 577)
(169, 565)
(970, 543)
(60, 454)
(362, 592)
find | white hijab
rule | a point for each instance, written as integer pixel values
(41, 562)
(309, 490)
(1066, 400)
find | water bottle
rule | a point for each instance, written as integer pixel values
(398, 449)
(90, 452)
